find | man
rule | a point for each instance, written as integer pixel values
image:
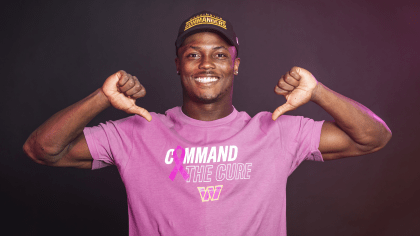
(205, 168)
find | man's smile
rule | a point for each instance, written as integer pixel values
(206, 80)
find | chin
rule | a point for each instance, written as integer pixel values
(208, 99)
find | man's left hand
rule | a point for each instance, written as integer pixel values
(297, 86)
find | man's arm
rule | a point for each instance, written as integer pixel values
(60, 140)
(355, 130)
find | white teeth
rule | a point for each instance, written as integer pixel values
(206, 79)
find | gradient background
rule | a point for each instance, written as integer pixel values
(53, 54)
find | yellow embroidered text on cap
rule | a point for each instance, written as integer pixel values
(205, 19)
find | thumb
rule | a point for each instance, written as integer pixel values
(281, 110)
(141, 112)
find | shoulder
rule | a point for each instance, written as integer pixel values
(288, 125)
(125, 124)
(136, 121)
(265, 117)
(264, 122)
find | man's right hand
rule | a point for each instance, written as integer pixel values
(122, 90)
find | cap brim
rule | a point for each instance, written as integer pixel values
(204, 28)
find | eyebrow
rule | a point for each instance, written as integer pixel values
(215, 48)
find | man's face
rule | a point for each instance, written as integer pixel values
(206, 64)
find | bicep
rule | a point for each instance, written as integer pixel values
(335, 143)
(76, 154)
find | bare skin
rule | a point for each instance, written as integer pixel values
(356, 130)
(60, 141)
(206, 54)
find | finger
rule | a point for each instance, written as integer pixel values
(136, 88)
(139, 94)
(291, 80)
(122, 77)
(294, 72)
(128, 85)
(141, 112)
(285, 86)
(281, 110)
(280, 91)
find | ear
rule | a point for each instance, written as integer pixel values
(236, 65)
(177, 64)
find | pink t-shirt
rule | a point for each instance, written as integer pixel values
(228, 176)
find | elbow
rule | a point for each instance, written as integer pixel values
(386, 137)
(380, 141)
(29, 150)
(36, 152)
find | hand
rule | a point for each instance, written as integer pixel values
(122, 90)
(297, 86)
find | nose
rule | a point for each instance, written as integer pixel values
(206, 63)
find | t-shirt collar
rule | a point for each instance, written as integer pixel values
(201, 123)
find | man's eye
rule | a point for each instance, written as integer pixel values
(193, 55)
(221, 55)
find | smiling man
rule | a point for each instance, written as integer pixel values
(206, 64)
(205, 168)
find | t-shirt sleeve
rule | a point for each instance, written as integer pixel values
(110, 143)
(300, 136)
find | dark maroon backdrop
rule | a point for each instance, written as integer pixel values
(56, 53)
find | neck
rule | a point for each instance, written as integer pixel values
(207, 112)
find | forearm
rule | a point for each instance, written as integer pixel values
(356, 120)
(54, 135)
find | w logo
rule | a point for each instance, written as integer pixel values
(210, 193)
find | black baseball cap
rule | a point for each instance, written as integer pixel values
(209, 22)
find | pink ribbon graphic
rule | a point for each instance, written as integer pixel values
(178, 165)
